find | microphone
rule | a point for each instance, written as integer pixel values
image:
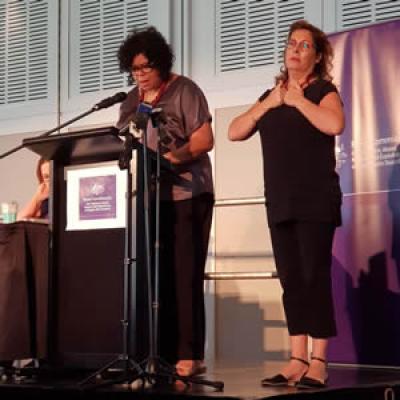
(140, 120)
(144, 108)
(158, 117)
(145, 112)
(142, 115)
(110, 101)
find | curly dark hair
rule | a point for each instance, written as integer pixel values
(151, 43)
(322, 46)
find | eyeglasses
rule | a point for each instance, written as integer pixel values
(144, 68)
(303, 45)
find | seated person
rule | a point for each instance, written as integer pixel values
(39, 204)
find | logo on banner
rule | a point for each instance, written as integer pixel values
(97, 197)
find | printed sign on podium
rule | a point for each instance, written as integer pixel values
(95, 196)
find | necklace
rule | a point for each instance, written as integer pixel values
(160, 92)
(303, 85)
(306, 81)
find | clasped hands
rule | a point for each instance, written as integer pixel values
(292, 95)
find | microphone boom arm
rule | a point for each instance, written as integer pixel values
(48, 133)
(102, 104)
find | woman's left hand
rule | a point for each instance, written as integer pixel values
(294, 95)
(169, 156)
(200, 142)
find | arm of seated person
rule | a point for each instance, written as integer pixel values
(32, 209)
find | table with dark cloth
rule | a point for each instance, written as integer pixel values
(24, 275)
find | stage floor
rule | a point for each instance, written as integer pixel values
(241, 382)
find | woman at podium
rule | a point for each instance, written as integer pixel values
(185, 137)
(38, 206)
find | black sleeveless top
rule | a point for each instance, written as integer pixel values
(44, 209)
(299, 163)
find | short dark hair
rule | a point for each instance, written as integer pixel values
(322, 47)
(151, 43)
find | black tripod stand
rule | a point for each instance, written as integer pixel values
(153, 370)
(129, 369)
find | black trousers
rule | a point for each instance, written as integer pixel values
(184, 233)
(303, 256)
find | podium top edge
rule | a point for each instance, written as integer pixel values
(93, 132)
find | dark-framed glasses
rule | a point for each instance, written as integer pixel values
(303, 45)
(144, 68)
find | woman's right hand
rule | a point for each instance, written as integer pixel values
(243, 126)
(32, 209)
(42, 192)
(276, 96)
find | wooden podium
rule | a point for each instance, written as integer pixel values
(86, 289)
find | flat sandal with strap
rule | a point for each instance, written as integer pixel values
(306, 382)
(280, 379)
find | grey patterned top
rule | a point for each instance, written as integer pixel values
(186, 110)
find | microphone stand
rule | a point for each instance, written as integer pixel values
(49, 132)
(154, 367)
(131, 370)
(148, 371)
(102, 104)
(143, 373)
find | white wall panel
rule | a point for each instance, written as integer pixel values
(28, 64)
(237, 44)
(342, 15)
(252, 33)
(17, 178)
(92, 33)
(242, 241)
(250, 325)
(238, 165)
(356, 13)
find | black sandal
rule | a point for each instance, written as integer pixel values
(310, 383)
(280, 379)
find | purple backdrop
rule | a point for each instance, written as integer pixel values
(366, 265)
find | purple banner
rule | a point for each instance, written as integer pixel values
(97, 197)
(366, 265)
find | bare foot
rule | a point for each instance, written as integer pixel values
(190, 367)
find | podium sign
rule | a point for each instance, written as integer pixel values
(95, 196)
